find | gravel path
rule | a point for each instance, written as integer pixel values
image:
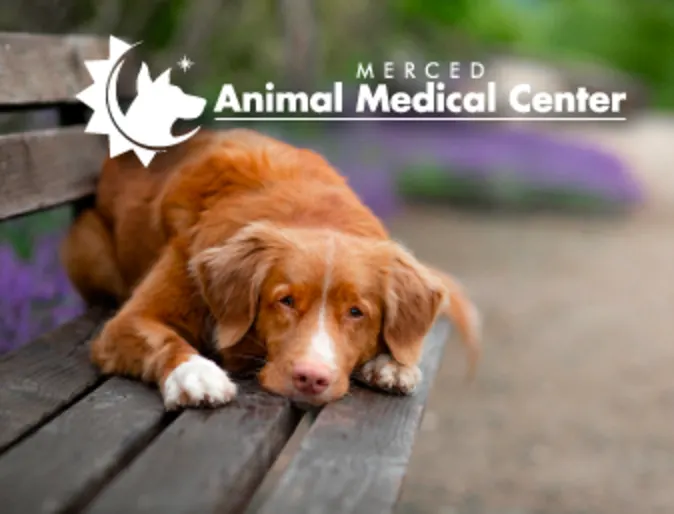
(573, 411)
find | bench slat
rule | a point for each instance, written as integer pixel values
(40, 378)
(206, 461)
(44, 69)
(46, 168)
(65, 461)
(355, 455)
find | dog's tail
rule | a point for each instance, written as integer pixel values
(465, 318)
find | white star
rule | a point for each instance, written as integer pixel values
(185, 63)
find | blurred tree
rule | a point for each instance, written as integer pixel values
(300, 43)
(631, 36)
(253, 42)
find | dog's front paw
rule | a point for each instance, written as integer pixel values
(197, 382)
(385, 373)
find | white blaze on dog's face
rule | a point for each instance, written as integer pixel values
(321, 302)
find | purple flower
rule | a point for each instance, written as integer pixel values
(491, 154)
(37, 295)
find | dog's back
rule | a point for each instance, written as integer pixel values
(139, 209)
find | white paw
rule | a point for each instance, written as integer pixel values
(385, 373)
(195, 383)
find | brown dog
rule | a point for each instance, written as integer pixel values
(239, 243)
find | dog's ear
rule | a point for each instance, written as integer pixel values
(230, 277)
(412, 299)
(164, 78)
(144, 81)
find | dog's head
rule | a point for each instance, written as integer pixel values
(160, 99)
(321, 302)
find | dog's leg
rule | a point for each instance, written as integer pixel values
(88, 255)
(140, 342)
(385, 373)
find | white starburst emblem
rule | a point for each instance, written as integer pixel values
(145, 128)
(185, 63)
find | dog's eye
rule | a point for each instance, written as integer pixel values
(355, 312)
(288, 301)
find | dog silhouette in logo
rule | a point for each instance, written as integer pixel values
(157, 106)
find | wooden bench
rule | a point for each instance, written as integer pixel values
(71, 440)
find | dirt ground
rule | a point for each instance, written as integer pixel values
(573, 410)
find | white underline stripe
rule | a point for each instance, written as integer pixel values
(320, 118)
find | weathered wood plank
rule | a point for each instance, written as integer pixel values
(68, 459)
(206, 461)
(46, 168)
(354, 458)
(39, 379)
(43, 69)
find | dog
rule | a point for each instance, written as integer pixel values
(242, 245)
(157, 106)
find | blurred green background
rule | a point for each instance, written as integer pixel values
(256, 41)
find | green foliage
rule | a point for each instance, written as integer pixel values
(21, 232)
(438, 11)
(636, 37)
(162, 23)
(630, 35)
(245, 41)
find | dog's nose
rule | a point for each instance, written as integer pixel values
(312, 378)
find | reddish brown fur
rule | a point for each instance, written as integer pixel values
(209, 238)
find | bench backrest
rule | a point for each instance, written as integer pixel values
(46, 168)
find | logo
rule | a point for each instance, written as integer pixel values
(145, 128)
(453, 92)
